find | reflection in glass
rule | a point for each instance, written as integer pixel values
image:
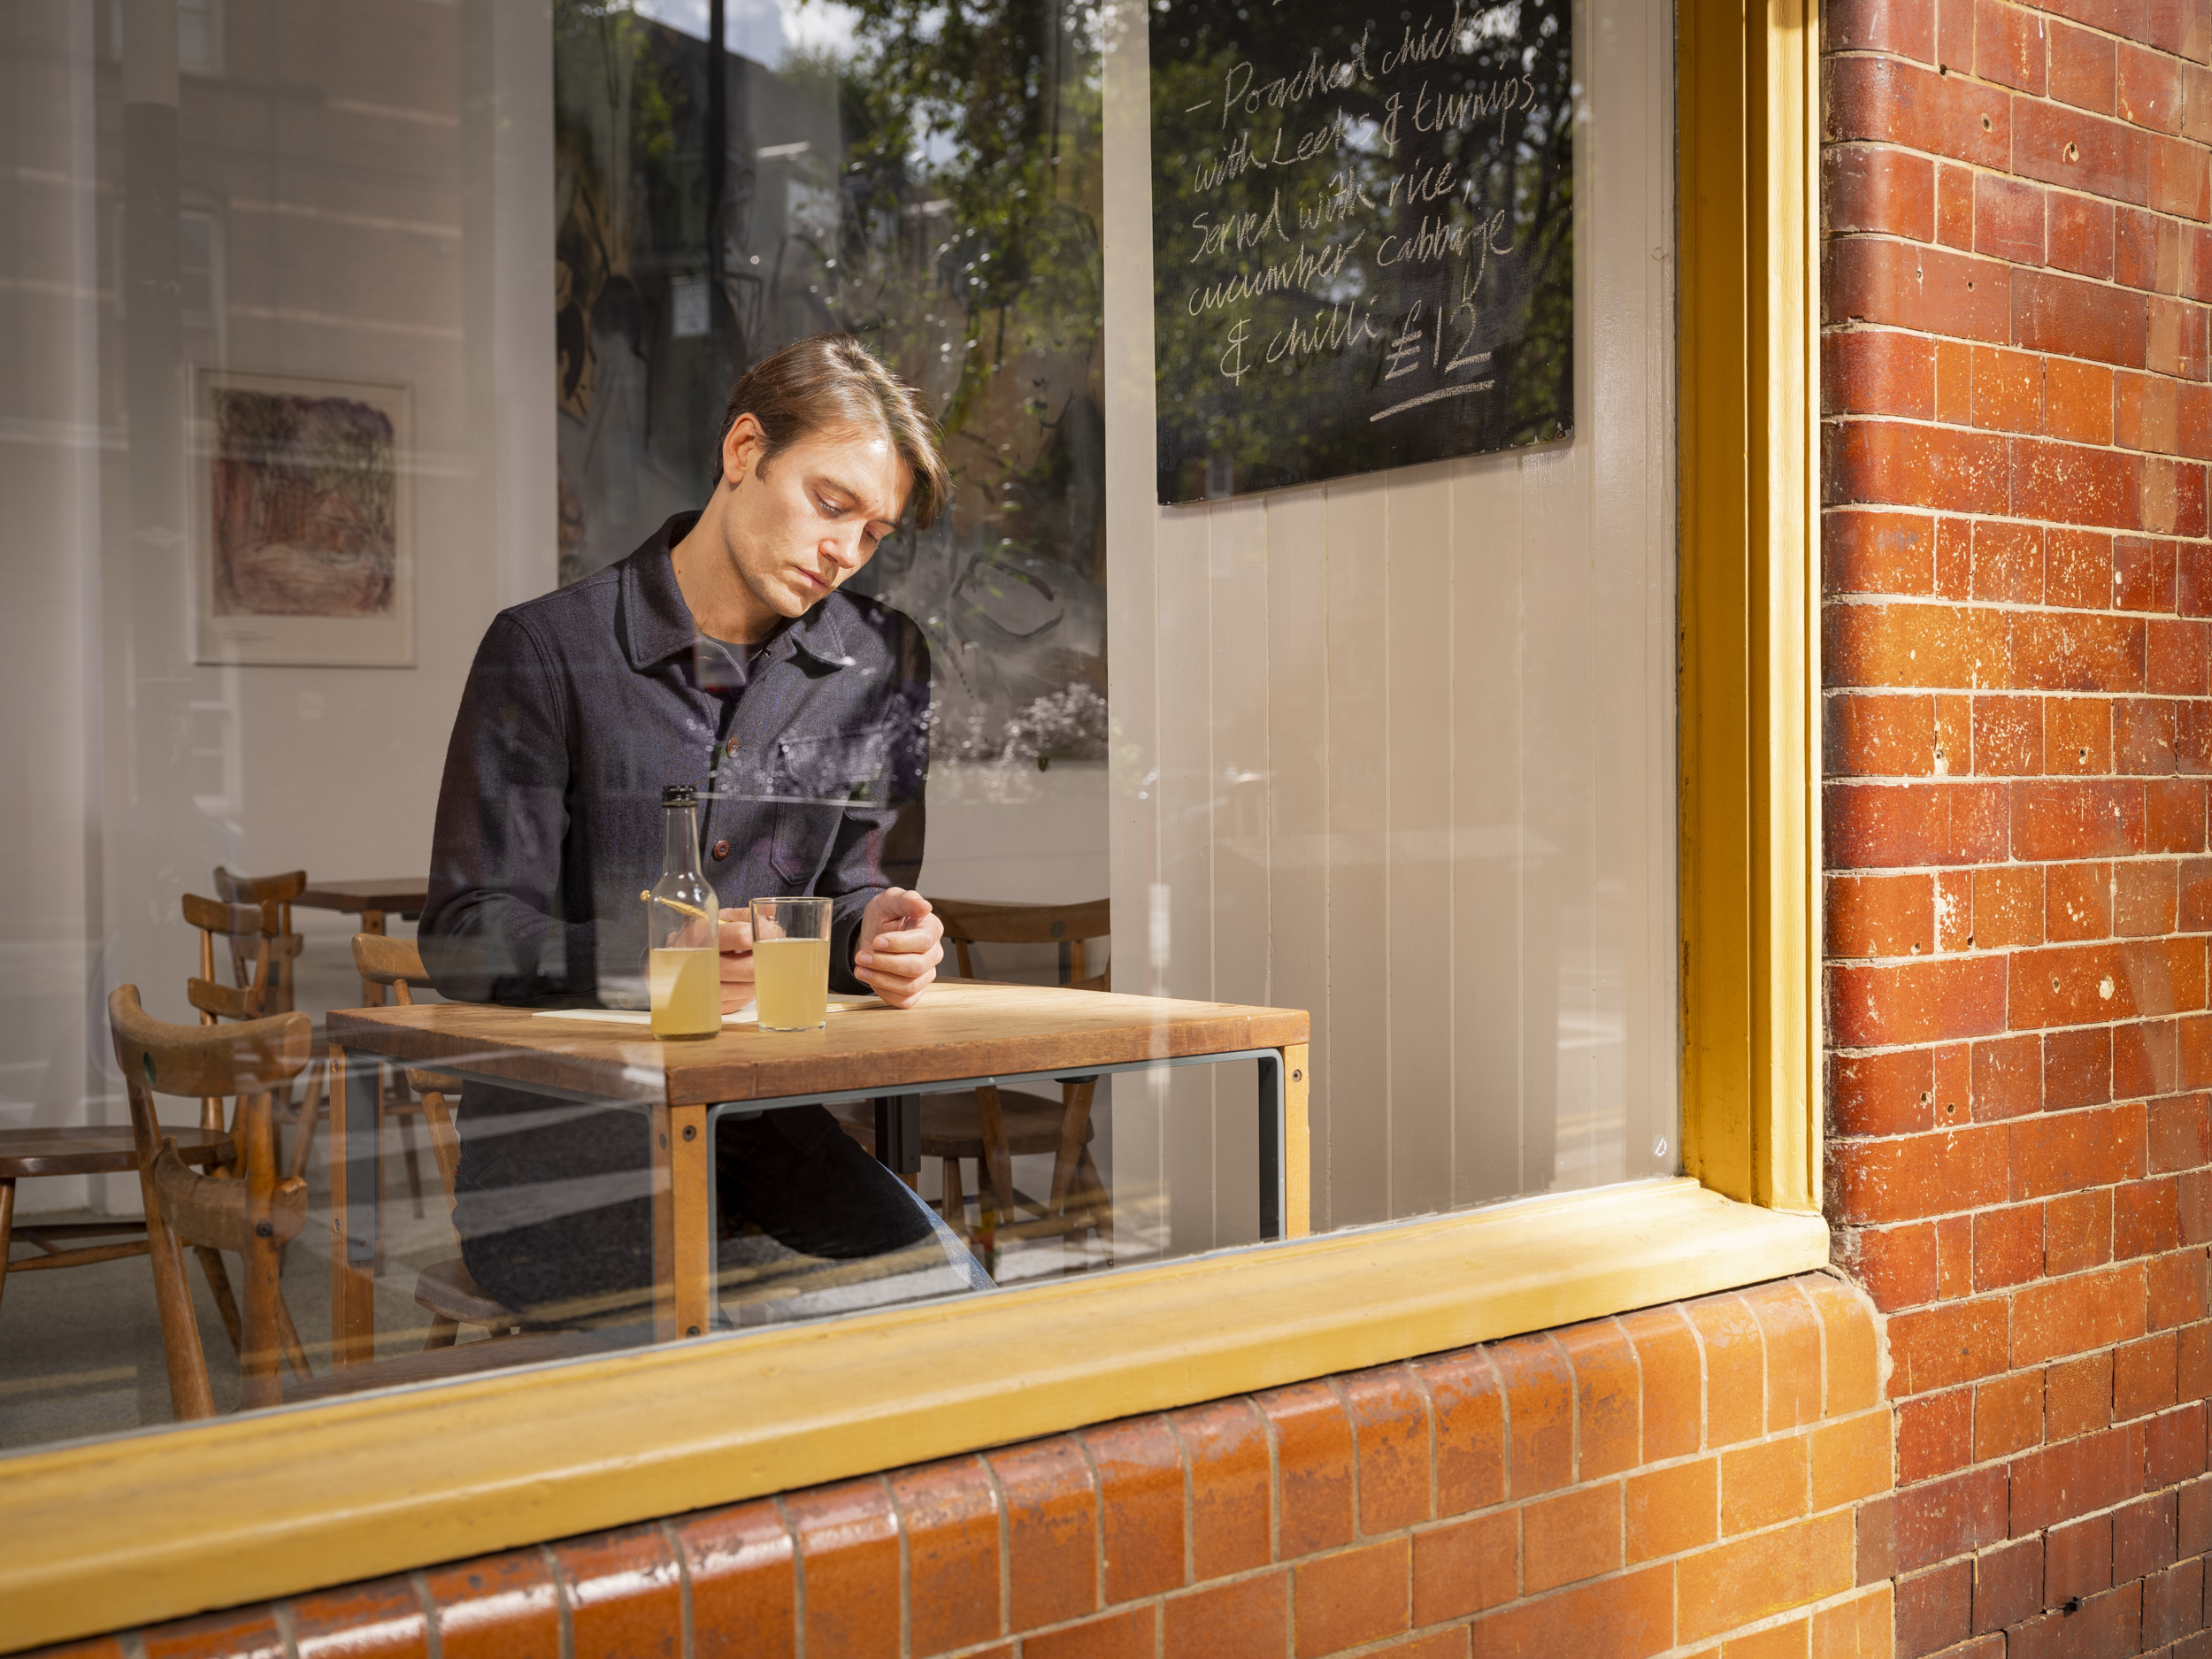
(930, 183)
(286, 419)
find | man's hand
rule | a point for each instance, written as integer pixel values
(898, 949)
(735, 941)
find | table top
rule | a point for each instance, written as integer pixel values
(962, 1028)
(382, 892)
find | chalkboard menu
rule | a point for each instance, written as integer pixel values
(1363, 236)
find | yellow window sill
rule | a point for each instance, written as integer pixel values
(319, 1494)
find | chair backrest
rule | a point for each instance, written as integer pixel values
(969, 921)
(255, 1215)
(281, 891)
(394, 964)
(251, 932)
(239, 889)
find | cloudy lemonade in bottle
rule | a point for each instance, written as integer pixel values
(683, 973)
(686, 990)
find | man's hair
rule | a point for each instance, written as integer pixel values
(833, 383)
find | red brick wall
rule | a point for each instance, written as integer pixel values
(2018, 735)
(1708, 1480)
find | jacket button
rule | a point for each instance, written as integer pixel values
(721, 849)
(733, 746)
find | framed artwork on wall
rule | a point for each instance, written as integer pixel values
(303, 546)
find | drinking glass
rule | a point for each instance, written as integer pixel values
(791, 963)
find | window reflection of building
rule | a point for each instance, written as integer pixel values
(200, 36)
(200, 301)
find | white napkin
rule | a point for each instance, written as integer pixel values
(742, 1016)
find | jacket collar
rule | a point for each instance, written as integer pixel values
(658, 624)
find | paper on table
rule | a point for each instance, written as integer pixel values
(742, 1015)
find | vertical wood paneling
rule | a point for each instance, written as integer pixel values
(1139, 1171)
(1183, 949)
(1239, 626)
(1560, 810)
(1417, 666)
(1298, 785)
(1410, 742)
(1488, 840)
(1358, 1062)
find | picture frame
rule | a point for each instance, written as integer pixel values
(302, 524)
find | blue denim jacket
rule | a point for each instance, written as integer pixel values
(581, 704)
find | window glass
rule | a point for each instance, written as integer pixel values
(1399, 746)
(363, 381)
(333, 333)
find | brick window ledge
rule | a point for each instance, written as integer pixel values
(303, 1497)
(1660, 1480)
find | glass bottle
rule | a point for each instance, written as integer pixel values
(684, 972)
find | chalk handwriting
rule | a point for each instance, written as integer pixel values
(1365, 203)
(1299, 273)
(1239, 231)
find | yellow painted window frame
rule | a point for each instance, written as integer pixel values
(113, 1533)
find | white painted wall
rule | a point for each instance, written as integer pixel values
(1399, 749)
(359, 238)
(52, 441)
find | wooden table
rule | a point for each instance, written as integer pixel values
(964, 1032)
(372, 901)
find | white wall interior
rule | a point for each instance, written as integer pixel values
(53, 440)
(354, 236)
(1399, 749)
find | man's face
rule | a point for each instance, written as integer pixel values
(814, 517)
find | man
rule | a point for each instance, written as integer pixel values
(720, 652)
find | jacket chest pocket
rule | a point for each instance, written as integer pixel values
(814, 781)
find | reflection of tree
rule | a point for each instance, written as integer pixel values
(1273, 425)
(936, 191)
(977, 125)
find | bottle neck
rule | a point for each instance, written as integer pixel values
(680, 840)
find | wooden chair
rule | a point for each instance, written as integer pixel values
(400, 1106)
(252, 935)
(283, 951)
(284, 955)
(445, 1289)
(26, 1154)
(248, 936)
(255, 1213)
(994, 1126)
